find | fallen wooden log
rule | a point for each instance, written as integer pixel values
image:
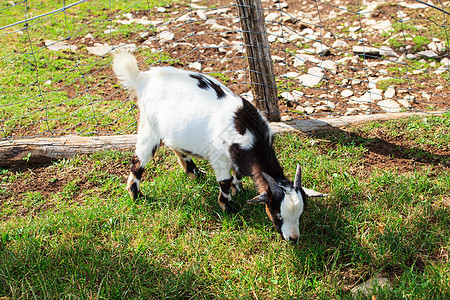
(44, 150)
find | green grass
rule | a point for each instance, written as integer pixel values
(88, 239)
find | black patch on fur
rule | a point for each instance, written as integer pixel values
(261, 154)
(136, 167)
(135, 191)
(225, 186)
(206, 83)
(186, 153)
(154, 150)
(191, 167)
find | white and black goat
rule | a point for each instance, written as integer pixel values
(197, 116)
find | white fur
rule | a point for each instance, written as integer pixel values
(290, 211)
(174, 109)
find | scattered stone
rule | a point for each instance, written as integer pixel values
(281, 5)
(285, 118)
(48, 82)
(220, 28)
(290, 75)
(201, 14)
(351, 111)
(195, 65)
(273, 17)
(101, 50)
(166, 37)
(339, 44)
(313, 77)
(309, 110)
(354, 29)
(300, 59)
(411, 56)
(405, 103)
(427, 54)
(329, 65)
(286, 95)
(56, 46)
(248, 96)
(300, 109)
(387, 51)
(366, 51)
(89, 36)
(297, 95)
(369, 287)
(390, 92)
(347, 93)
(161, 10)
(389, 106)
(322, 49)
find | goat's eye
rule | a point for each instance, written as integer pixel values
(279, 216)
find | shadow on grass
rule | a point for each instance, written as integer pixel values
(86, 268)
(381, 146)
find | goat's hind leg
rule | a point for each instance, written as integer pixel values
(188, 165)
(146, 146)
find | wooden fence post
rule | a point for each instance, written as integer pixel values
(258, 54)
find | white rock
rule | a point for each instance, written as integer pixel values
(195, 65)
(300, 59)
(389, 106)
(354, 29)
(166, 37)
(286, 95)
(329, 65)
(201, 14)
(313, 77)
(248, 96)
(413, 5)
(220, 28)
(387, 51)
(405, 103)
(218, 11)
(285, 118)
(103, 50)
(309, 109)
(89, 36)
(56, 46)
(48, 82)
(411, 56)
(370, 287)
(290, 75)
(161, 9)
(300, 109)
(428, 54)
(321, 48)
(347, 93)
(272, 17)
(277, 58)
(390, 92)
(281, 5)
(339, 44)
(297, 95)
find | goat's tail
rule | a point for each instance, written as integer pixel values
(126, 68)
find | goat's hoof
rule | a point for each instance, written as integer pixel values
(134, 192)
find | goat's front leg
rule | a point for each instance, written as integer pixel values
(236, 183)
(225, 182)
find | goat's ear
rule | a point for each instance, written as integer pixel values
(263, 199)
(298, 178)
(273, 185)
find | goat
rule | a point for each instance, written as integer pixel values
(197, 116)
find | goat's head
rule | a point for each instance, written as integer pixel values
(284, 205)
